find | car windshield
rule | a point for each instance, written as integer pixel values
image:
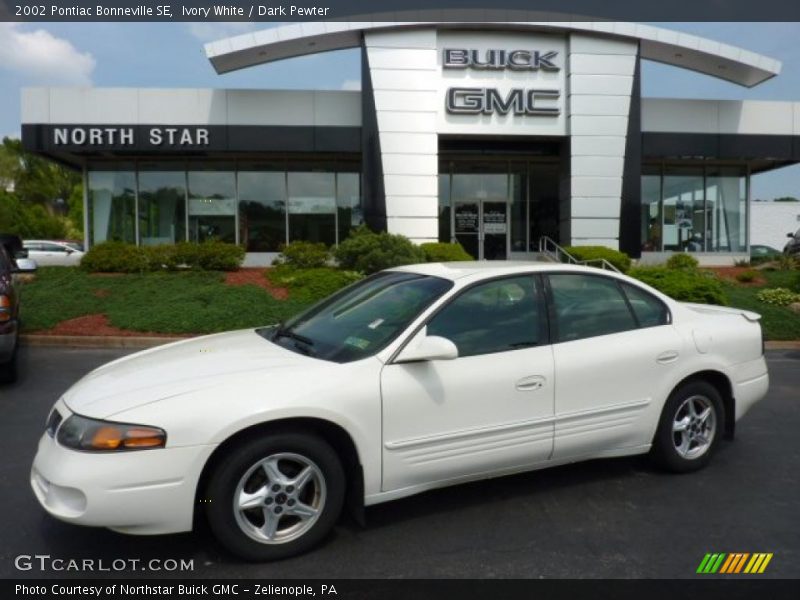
(361, 319)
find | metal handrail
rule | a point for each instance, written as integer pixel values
(549, 247)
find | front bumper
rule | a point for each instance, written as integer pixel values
(138, 492)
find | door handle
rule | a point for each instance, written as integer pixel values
(667, 357)
(533, 382)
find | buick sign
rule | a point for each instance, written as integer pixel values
(515, 60)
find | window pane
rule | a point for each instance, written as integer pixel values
(651, 210)
(649, 310)
(545, 203)
(112, 206)
(262, 206)
(587, 306)
(312, 207)
(684, 216)
(444, 207)
(212, 206)
(726, 197)
(496, 316)
(162, 207)
(348, 203)
(519, 209)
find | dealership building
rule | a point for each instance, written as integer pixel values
(494, 134)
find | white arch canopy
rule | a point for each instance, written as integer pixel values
(687, 51)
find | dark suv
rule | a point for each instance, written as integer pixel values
(12, 261)
(792, 247)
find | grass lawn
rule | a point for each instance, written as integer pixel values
(192, 302)
(779, 322)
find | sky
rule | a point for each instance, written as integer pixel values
(171, 55)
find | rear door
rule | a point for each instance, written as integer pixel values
(615, 351)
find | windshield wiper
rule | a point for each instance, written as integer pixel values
(288, 333)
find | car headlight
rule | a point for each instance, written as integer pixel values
(81, 433)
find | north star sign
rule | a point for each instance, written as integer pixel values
(486, 101)
(125, 136)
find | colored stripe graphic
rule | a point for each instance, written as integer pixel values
(724, 563)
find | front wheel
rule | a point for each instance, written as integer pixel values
(276, 496)
(690, 427)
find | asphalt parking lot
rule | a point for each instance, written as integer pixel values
(613, 518)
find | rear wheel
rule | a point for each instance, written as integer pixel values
(690, 427)
(276, 496)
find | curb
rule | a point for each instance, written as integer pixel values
(783, 345)
(110, 341)
(95, 341)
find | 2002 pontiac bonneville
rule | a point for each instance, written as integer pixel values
(415, 378)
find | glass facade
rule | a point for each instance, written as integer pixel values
(694, 209)
(258, 205)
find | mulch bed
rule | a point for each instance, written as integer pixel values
(98, 325)
(255, 276)
(730, 273)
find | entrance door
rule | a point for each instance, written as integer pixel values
(481, 227)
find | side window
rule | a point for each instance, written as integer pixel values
(53, 248)
(650, 311)
(587, 306)
(496, 316)
(30, 246)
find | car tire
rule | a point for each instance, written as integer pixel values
(257, 513)
(690, 428)
(8, 370)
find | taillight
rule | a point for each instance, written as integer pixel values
(5, 308)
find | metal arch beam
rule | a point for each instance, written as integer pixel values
(662, 45)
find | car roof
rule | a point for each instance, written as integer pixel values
(457, 270)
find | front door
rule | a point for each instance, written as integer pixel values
(488, 410)
(481, 227)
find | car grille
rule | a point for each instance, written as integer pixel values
(53, 421)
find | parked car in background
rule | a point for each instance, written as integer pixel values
(9, 305)
(792, 247)
(415, 378)
(759, 252)
(51, 253)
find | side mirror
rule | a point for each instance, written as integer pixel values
(431, 347)
(25, 265)
(791, 235)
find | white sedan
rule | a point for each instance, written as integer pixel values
(49, 253)
(415, 378)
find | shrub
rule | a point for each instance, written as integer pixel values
(619, 259)
(162, 256)
(747, 276)
(370, 252)
(219, 256)
(115, 257)
(311, 285)
(778, 296)
(444, 252)
(682, 261)
(786, 262)
(119, 257)
(744, 262)
(303, 255)
(683, 285)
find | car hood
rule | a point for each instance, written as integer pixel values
(178, 368)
